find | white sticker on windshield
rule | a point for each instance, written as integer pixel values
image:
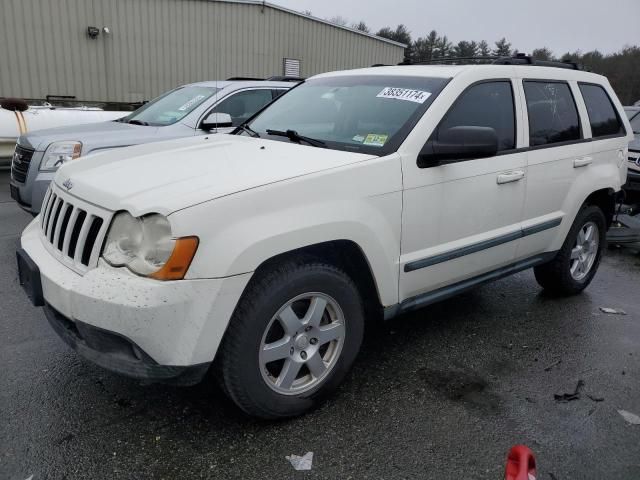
(417, 96)
(190, 103)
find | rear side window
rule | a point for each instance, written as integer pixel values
(487, 104)
(603, 117)
(553, 115)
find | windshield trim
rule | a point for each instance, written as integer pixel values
(392, 146)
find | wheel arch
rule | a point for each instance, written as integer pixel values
(605, 199)
(344, 254)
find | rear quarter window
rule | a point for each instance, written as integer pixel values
(603, 117)
(553, 115)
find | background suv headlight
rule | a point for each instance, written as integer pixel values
(59, 153)
(146, 247)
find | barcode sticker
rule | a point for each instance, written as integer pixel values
(417, 96)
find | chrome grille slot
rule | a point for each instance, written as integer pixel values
(73, 230)
(54, 215)
(63, 226)
(75, 233)
(92, 235)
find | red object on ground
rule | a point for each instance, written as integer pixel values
(521, 464)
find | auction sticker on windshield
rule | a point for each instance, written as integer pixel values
(375, 140)
(418, 96)
(190, 103)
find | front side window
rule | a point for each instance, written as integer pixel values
(487, 104)
(603, 117)
(244, 104)
(357, 113)
(553, 115)
(171, 107)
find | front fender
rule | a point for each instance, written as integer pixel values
(361, 203)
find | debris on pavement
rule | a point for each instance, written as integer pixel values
(301, 463)
(554, 364)
(631, 418)
(568, 397)
(612, 311)
(595, 399)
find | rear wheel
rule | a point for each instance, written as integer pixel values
(576, 263)
(292, 339)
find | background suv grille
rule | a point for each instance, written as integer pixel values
(71, 231)
(20, 163)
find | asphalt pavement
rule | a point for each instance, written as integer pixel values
(439, 394)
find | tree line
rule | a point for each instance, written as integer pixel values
(622, 68)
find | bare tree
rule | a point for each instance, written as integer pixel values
(361, 26)
(338, 20)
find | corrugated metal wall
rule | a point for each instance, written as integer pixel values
(155, 45)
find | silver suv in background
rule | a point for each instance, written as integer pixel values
(193, 109)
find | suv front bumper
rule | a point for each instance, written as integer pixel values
(143, 328)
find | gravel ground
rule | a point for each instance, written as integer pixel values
(439, 394)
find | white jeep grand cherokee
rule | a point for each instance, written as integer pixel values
(259, 257)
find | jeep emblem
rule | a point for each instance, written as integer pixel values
(68, 184)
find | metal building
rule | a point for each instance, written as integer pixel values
(133, 50)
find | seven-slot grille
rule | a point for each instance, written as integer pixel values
(20, 163)
(72, 231)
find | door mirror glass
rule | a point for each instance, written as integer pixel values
(458, 143)
(216, 120)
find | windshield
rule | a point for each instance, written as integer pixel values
(171, 107)
(368, 114)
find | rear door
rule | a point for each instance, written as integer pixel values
(607, 130)
(558, 146)
(463, 219)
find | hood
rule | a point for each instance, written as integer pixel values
(95, 135)
(167, 176)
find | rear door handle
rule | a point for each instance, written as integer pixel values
(582, 162)
(508, 177)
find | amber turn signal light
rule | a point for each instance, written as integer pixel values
(179, 261)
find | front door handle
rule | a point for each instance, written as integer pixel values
(508, 177)
(582, 162)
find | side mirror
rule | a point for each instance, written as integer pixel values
(458, 143)
(216, 120)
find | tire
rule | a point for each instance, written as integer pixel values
(262, 389)
(557, 276)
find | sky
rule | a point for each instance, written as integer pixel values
(561, 25)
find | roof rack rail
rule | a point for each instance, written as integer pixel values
(285, 78)
(254, 79)
(518, 59)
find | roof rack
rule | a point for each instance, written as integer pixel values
(518, 59)
(254, 79)
(276, 78)
(285, 78)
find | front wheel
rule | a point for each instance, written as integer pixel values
(576, 263)
(292, 339)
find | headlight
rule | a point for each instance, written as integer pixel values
(59, 153)
(145, 246)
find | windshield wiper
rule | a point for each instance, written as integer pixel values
(296, 137)
(249, 130)
(138, 122)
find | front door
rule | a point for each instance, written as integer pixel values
(463, 219)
